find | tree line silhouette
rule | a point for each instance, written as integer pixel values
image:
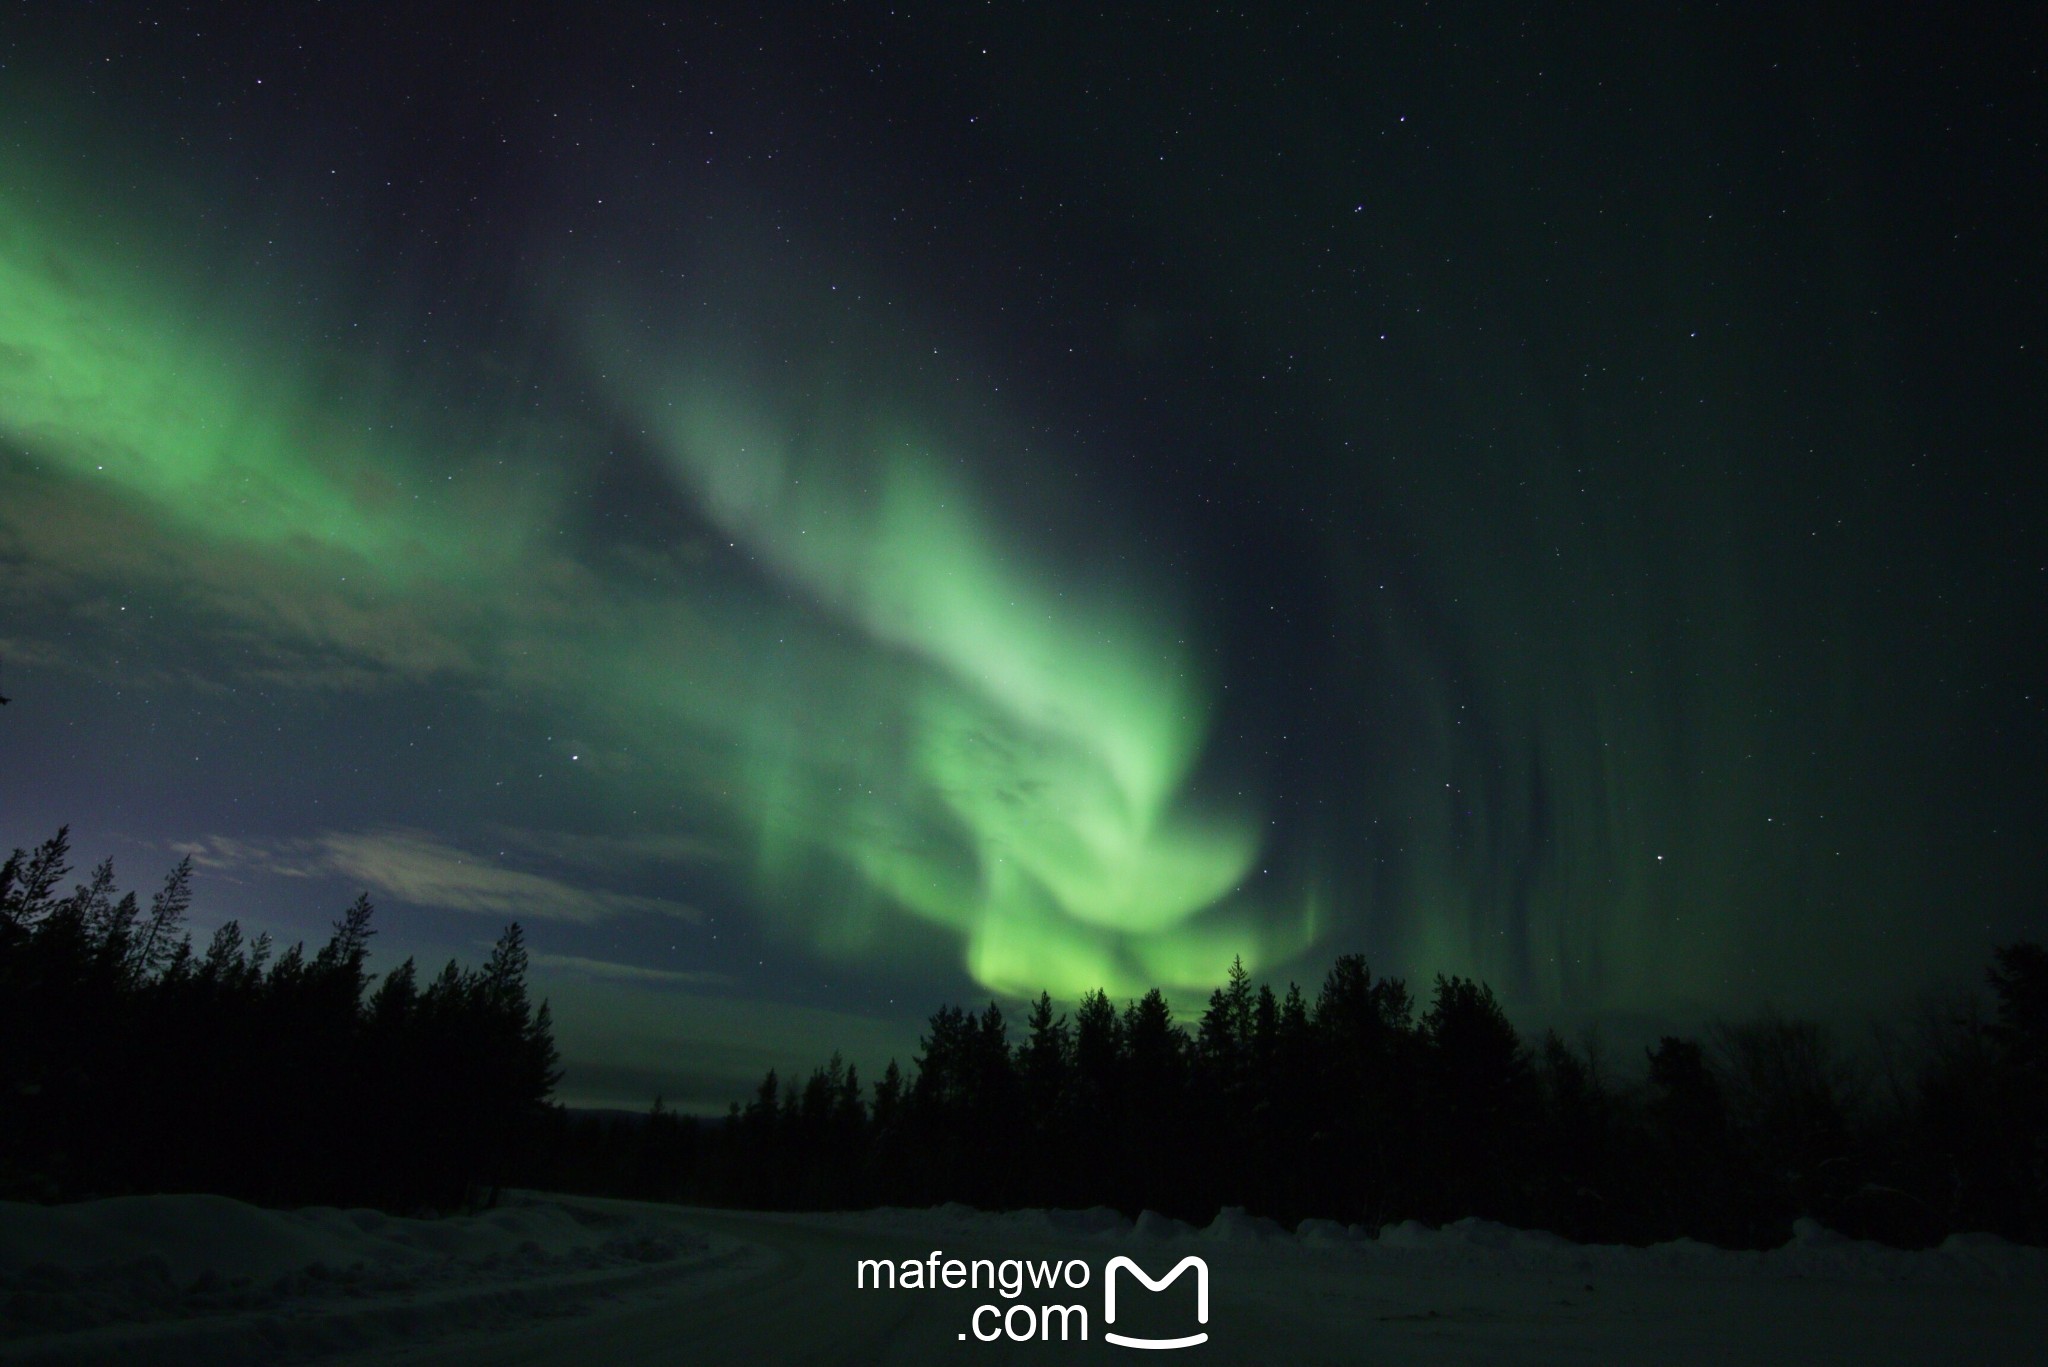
(1364, 1105)
(133, 1061)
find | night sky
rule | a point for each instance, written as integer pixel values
(823, 512)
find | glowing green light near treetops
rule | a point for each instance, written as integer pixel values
(1048, 736)
(939, 729)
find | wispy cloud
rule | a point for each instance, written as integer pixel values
(605, 968)
(612, 851)
(83, 556)
(418, 868)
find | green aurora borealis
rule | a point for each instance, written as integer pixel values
(1016, 767)
(796, 552)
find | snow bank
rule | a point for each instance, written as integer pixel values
(1233, 1226)
(203, 1280)
(1813, 1251)
(1152, 1227)
(208, 1263)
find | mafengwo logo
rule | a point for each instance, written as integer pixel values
(1201, 1300)
(1022, 1321)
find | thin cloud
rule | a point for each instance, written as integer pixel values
(605, 968)
(81, 555)
(417, 868)
(637, 849)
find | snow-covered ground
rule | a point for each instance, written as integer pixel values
(209, 1279)
(569, 1280)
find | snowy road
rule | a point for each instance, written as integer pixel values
(794, 1301)
(548, 1281)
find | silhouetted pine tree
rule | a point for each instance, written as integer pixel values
(1985, 1105)
(1365, 1065)
(1792, 1102)
(1095, 1151)
(1044, 1066)
(270, 1079)
(1155, 1121)
(1578, 1175)
(1481, 1101)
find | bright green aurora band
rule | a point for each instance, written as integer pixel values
(1593, 692)
(981, 747)
(1024, 783)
